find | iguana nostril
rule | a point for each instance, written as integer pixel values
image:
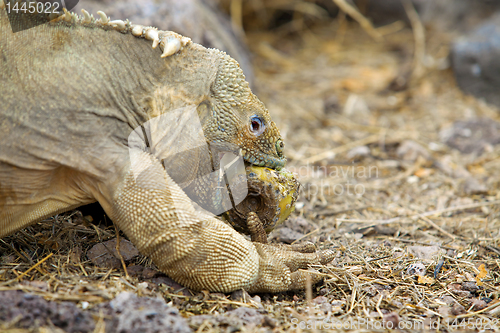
(280, 145)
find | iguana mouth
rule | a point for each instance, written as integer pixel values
(264, 160)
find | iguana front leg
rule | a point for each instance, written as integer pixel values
(196, 251)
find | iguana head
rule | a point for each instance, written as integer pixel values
(229, 112)
(237, 116)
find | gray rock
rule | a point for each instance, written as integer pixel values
(105, 255)
(287, 235)
(410, 150)
(475, 135)
(28, 311)
(475, 60)
(145, 315)
(440, 14)
(416, 269)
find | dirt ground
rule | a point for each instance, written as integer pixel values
(399, 173)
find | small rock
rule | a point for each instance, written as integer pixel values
(174, 286)
(326, 307)
(456, 289)
(105, 255)
(444, 311)
(375, 230)
(391, 320)
(27, 310)
(409, 151)
(472, 136)
(355, 107)
(472, 186)
(320, 300)
(331, 104)
(324, 291)
(470, 286)
(396, 303)
(216, 296)
(397, 254)
(135, 270)
(270, 322)
(240, 296)
(416, 269)
(149, 273)
(457, 309)
(448, 300)
(448, 166)
(355, 270)
(287, 235)
(358, 152)
(257, 299)
(339, 303)
(426, 252)
(478, 304)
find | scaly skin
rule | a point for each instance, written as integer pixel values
(72, 93)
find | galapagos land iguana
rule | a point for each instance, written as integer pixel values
(73, 91)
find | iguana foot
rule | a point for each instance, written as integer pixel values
(284, 259)
(279, 267)
(256, 228)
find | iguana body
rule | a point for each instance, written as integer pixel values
(73, 91)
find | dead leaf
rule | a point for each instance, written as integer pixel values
(481, 275)
(424, 172)
(425, 280)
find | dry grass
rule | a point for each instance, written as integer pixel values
(330, 89)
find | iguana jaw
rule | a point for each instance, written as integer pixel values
(264, 160)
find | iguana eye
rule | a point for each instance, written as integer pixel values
(257, 125)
